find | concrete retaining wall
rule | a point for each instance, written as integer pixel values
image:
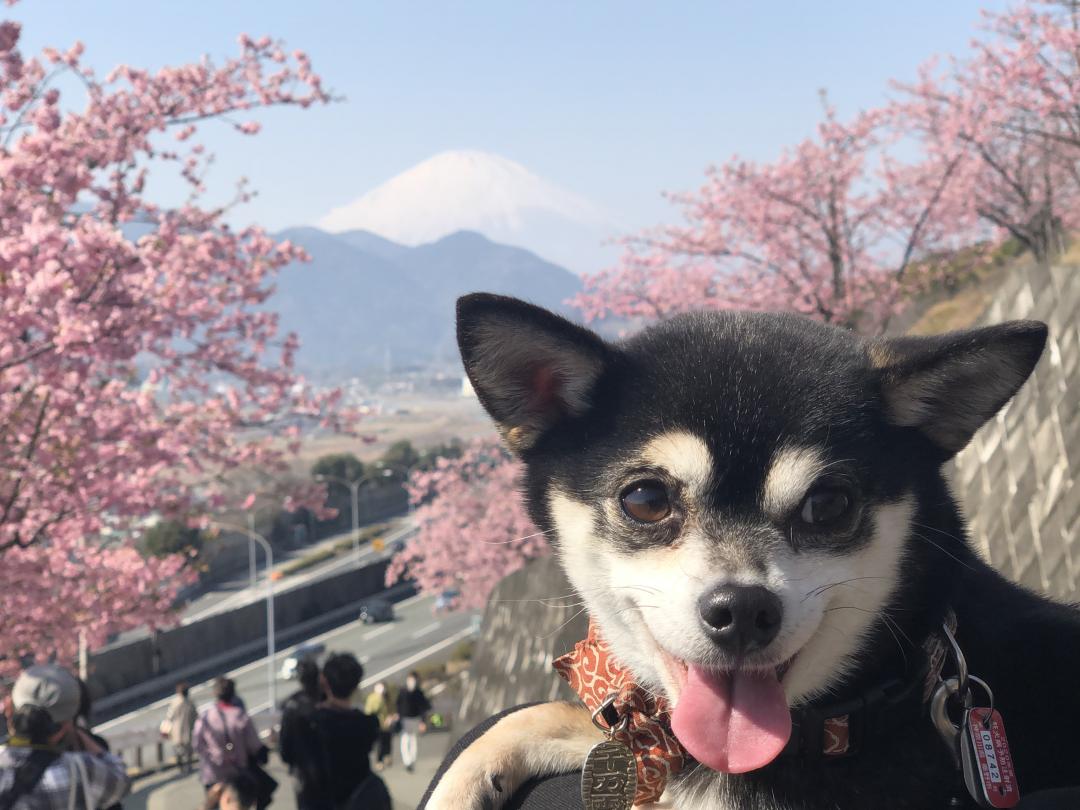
(1017, 478)
(148, 662)
(531, 618)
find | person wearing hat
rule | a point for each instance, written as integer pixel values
(49, 763)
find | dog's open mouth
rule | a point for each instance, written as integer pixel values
(735, 721)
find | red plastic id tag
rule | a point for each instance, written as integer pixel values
(987, 763)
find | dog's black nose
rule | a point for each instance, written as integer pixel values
(741, 618)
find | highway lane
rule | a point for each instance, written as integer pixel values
(220, 601)
(387, 651)
(237, 593)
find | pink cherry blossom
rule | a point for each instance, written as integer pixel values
(473, 526)
(136, 374)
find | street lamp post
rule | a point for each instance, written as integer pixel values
(271, 672)
(354, 491)
(253, 574)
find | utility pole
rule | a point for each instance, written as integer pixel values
(271, 641)
(354, 492)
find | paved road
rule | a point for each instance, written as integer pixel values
(387, 651)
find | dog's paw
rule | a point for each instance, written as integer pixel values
(475, 782)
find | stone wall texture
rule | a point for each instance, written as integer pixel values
(531, 618)
(1017, 479)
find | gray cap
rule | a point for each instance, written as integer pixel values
(51, 687)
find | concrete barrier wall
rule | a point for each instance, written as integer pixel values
(121, 668)
(1017, 478)
(532, 617)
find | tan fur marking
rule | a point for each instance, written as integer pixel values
(682, 454)
(880, 356)
(791, 473)
(537, 741)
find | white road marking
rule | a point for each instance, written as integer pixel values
(384, 629)
(412, 659)
(423, 631)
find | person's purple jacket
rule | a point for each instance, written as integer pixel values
(217, 727)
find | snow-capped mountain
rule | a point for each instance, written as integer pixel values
(481, 192)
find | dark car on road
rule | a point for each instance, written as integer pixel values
(377, 610)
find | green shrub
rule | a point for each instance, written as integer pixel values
(307, 561)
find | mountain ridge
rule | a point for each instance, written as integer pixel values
(365, 302)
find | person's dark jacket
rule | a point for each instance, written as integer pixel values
(334, 749)
(296, 713)
(412, 703)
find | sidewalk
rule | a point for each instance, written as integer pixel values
(170, 791)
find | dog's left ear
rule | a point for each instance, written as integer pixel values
(529, 367)
(948, 385)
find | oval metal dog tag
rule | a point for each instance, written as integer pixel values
(609, 777)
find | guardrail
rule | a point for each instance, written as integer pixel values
(145, 751)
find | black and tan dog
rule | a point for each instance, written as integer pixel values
(752, 507)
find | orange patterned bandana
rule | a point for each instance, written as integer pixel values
(594, 673)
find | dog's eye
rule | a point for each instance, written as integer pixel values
(824, 505)
(646, 501)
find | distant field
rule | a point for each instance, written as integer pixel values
(426, 421)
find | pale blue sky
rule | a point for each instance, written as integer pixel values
(614, 100)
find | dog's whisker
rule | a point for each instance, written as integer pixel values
(516, 540)
(888, 622)
(943, 550)
(821, 590)
(561, 626)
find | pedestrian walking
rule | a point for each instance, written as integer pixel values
(179, 726)
(341, 738)
(412, 709)
(227, 744)
(50, 763)
(377, 705)
(296, 717)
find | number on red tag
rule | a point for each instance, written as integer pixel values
(988, 767)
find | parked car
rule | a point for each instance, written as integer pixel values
(304, 651)
(377, 610)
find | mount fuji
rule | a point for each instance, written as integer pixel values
(487, 194)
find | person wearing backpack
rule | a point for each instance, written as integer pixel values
(340, 739)
(49, 763)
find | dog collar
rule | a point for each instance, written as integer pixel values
(819, 731)
(608, 690)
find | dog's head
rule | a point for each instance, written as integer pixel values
(737, 496)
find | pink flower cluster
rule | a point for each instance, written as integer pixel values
(135, 373)
(474, 529)
(847, 226)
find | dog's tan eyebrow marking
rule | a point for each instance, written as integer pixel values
(791, 473)
(682, 454)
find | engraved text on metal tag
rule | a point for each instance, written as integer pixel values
(609, 777)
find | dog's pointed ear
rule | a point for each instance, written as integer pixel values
(949, 385)
(529, 367)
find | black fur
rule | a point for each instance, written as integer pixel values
(750, 383)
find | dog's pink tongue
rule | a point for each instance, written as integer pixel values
(732, 723)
